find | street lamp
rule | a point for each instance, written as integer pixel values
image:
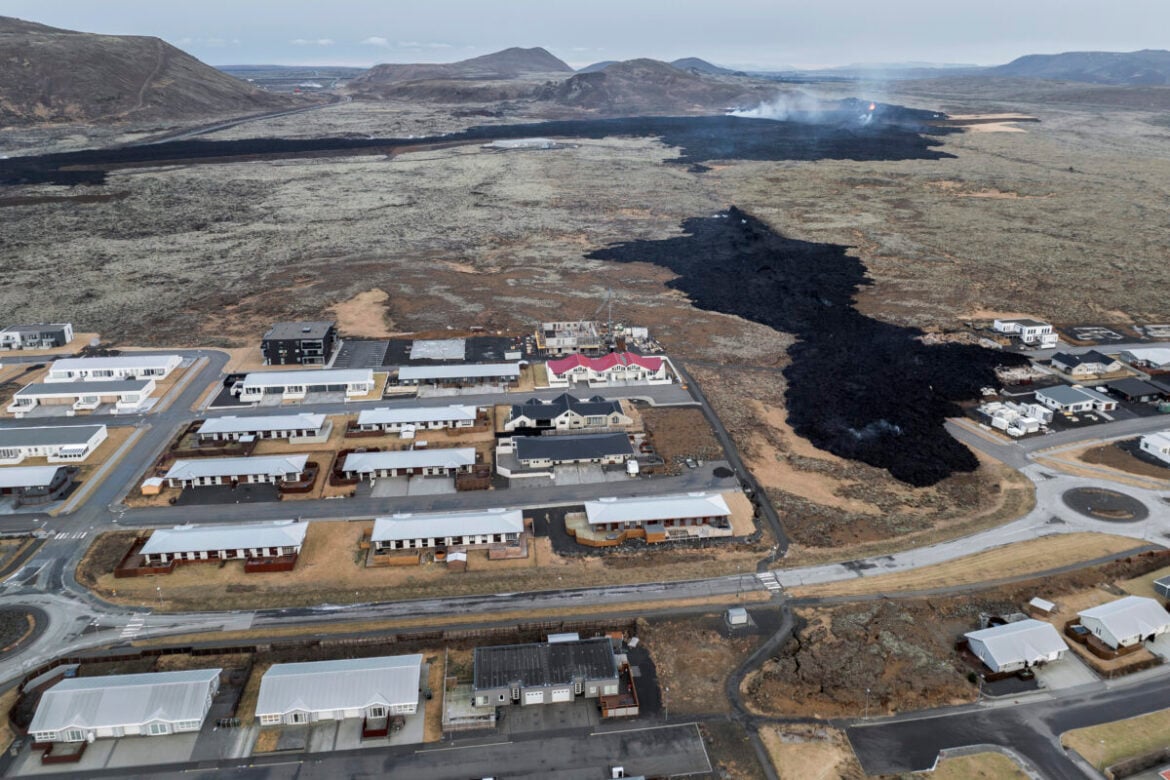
(158, 588)
(867, 703)
(666, 703)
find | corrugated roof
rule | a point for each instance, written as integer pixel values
(268, 422)
(567, 448)
(27, 476)
(1158, 439)
(367, 462)
(1159, 356)
(441, 525)
(1129, 616)
(604, 362)
(196, 538)
(462, 371)
(273, 465)
(293, 331)
(56, 435)
(1025, 640)
(543, 664)
(327, 376)
(415, 414)
(537, 409)
(1064, 394)
(652, 508)
(353, 683)
(124, 700)
(74, 388)
(118, 361)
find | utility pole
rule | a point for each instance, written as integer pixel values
(867, 704)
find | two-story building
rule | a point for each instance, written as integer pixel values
(612, 369)
(1032, 333)
(119, 368)
(1085, 365)
(39, 336)
(299, 343)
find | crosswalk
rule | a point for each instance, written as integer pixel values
(132, 627)
(769, 580)
(71, 534)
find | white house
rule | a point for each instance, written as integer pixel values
(1031, 332)
(1071, 400)
(82, 709)
(615, 368)
(1157, 444)
(101, 369)
(56, 444)
(126, 395)
(1148, 357)
(450, 529)
(295, 385)
(42, 336)
(370, 688)
(294, 427)
(1088, 364)
(1015, 646)
(662, 517)
(567, 413)
(429, 463)
(224, 542)
(428, 417)
(222, 471)
(536, 452)
(1126, 621)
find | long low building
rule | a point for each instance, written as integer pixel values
(370, 688)
(1014, 646)
(82, 709)
(223, 471)
(566, 413)
(464, 374)
(295, 385)
(1156, 445)
(1071, 400)
(400, 463)
(56, 444)
(40, 336)
(36, 484)
(126, 395)
(615, 368)
(544, 673)
(442, 530)
(536, 452)
(662, 517)
(244, 541)
(294, 427)
(428, 417)
(1148, 357)
(101, 369)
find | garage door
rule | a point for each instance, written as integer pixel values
(534, 697)
(562, 694)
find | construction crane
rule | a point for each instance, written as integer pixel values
(607, 301)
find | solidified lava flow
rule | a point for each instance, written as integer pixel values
(857, 387)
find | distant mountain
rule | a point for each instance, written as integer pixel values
(506, 64)
(597, 66)
(1145, 67)
(52, 75)
(702, 66)
(645, 86)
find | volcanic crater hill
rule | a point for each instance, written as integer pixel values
(1149, 67)
(857, 387)
(52, 75)
(507, 64)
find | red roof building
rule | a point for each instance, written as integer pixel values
(623, 366)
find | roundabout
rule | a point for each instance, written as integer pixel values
(1109, 506)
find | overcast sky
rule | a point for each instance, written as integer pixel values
(738, 33)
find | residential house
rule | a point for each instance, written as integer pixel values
(1033, 333)
(127, 396)
(397, 419)
(1136, 390)
(544, 673)
(537, 452)
(1156, 444)
(1084, 365)
(405, 463)
(299, 343)
(293, 427)
(1126, 621)
(39, 336)
(36, 484)
(566, 413)
(462, 375)
(119, 368)
(295, 385)
(444, 530)
(662, 518)
(1156, 358)
(614, 368)
(274, 469)
(1073, 400)
(1014, 646)
(82, 709)
(242, 541)
(56, 444)
(369, 688)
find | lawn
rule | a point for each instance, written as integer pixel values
(1109, 743)
(988, 766)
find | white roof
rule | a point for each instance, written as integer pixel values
(465, 371)
(415, 414)
(196, 538)
(365, 462)
(268, 422)
(119, 361)
(1024, 640)
(124, 699)
(1158, 439)
(1129, 616)
(438, 349)
(653, 508)
(1159, 356)
(272, 465)
(442, 525)
(27, 476)
(352, 683)
(330, 376)
(1043, 604)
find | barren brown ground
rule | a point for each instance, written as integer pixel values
(810, 753)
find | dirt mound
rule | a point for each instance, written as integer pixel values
(646, 85)
(51, 75)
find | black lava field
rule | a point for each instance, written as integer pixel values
(857, 387)
(893, 134)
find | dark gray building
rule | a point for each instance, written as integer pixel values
(299, 343)
(566, 412)
(38, 336)
(552, 450)
(544, 673)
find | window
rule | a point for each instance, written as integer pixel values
(269, 719)
(377, 711)
(158, 728)
(74, 735)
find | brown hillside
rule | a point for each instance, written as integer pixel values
(505, 64)
(646, 85)
(51, 75)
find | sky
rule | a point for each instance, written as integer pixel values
(737, 33)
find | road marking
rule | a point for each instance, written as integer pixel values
(769, 580)
(71, 535)
(132, 627)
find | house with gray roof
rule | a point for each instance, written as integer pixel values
(37, 484)
(56, 444)
(1085, 364)
(371, 688)
(1019, 645)
(299, 343)
(405, 463)
(544, 673)
(241, 541)
(399, 418)
(39, 336)
(566, 413)
(224, 471)
(293, 427)
(125, 395)
(443, 530)
(118, 367)
(82, 709)
(1071, 400)
(1126, 621)
(534, 452)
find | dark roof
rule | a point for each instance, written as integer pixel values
(559, 663)
(1092, 356)
(41, 327)
(58, 434)
(1161, 384)
(291, 331)
(535, 408)
(559, 448)
(1133, 388)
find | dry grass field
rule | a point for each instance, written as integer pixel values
(810, 753)
(978, 766)
(1111, 742)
